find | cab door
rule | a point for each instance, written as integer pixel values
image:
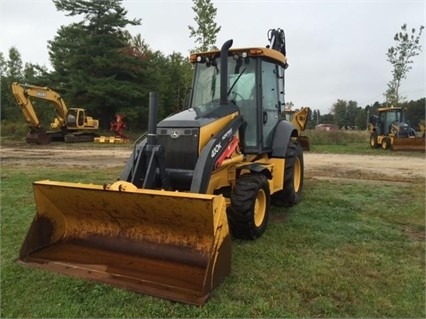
(270, 103)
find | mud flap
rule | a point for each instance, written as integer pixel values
(171, 245)
(408, 144)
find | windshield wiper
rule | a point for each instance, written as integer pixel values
(235, 82)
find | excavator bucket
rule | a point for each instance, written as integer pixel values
(172, 245)
(38, 136)
(409, 144)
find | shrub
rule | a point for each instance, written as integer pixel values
(15, 130)
(339, 137)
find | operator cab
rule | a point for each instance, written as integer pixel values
(387, 117)
(255, 85)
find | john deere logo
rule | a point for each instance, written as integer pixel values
(175, 134)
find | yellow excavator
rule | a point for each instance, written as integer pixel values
(390, 130)
(70, 124)
(200, 177)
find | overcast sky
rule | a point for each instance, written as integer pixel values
(336, 49)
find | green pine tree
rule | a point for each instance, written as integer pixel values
(94, 62)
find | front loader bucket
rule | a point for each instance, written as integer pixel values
(408, 144)
(171, 245)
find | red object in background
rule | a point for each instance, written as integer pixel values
(119, 125)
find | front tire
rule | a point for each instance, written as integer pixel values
(373, 140)
(248, 213)
(386, 143)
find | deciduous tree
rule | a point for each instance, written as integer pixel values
(401, 57)
(206, 29)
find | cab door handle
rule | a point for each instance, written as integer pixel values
(265, 117)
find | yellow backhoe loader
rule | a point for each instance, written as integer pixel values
(390, 130)
(70, 125)
(199, 177)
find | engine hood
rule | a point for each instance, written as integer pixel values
(192, 118)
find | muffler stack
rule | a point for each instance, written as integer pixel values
(167, 244)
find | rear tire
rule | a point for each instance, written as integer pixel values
(293, 177)
(248, 213)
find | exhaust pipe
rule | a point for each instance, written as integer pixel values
(224, 71)
(152, 118)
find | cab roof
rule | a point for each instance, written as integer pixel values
(391, 109)
(274, 55)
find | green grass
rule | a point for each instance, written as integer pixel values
(349, 249)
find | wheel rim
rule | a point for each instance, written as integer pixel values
(372, 141)
(260, 208)
(297, 175)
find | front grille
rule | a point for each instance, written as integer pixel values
(181, 147)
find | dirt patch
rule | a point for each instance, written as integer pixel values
(66, 155)
(395, 168)
(415, 234)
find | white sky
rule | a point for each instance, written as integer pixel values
(336, 49)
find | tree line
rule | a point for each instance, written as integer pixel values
(98, 65)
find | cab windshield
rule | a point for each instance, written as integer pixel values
(240, 86)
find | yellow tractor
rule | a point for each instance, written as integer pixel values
(199, 177)
(390, 130)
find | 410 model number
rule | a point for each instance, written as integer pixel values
(216, 149)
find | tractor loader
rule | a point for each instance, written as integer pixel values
(199, 177)
(390, 130)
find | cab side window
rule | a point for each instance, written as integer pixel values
(270, 98)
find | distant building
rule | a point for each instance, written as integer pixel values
(327, 127)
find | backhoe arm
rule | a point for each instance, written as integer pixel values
(300, 119)
(276, 38)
